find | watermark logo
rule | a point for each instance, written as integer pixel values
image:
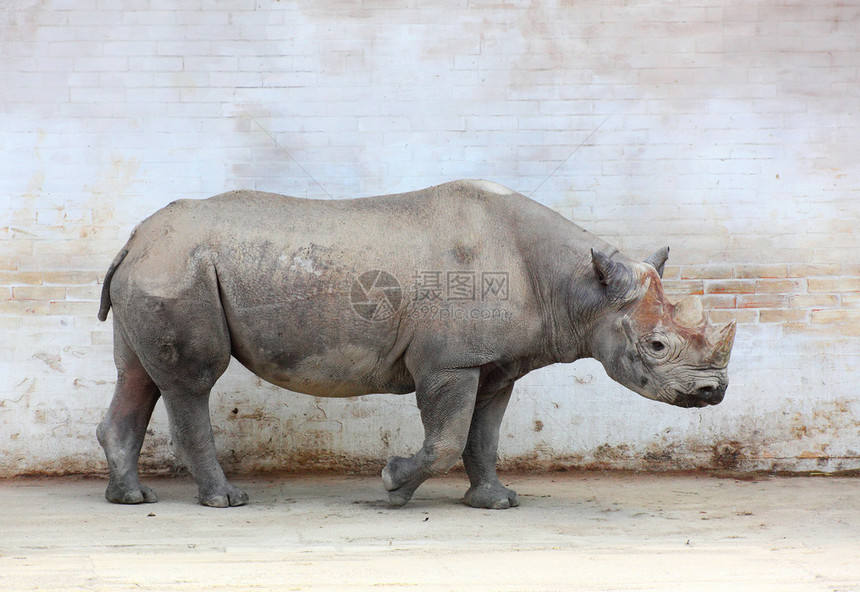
(376, 295)
(460, 295)
(460, 286)
(494, 284)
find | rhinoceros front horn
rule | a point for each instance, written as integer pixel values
(722, 340)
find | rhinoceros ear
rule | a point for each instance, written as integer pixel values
(658, 260)
(619, 279)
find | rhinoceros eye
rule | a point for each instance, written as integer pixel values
(657, 346)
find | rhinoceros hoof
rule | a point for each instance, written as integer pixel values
(137, 494)
(399, 497)
(493, 496)
(396, 473)
(224, 497)
(397, 477)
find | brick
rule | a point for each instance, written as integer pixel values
(834, 285)
(711, 301)
(814, 301)
(742, 317)
(670, 272)
(682, 286)
(836, 315)
(782, 316)
(18, 278)
(822, 331)
(43, 293)
(762, 301)
(90, 293)
(70, 278)
(851, 300)
(828, 255)
(101, 337)
(811, 270)
(100, 64)
(706, 272)
(779, 286)
(24, 307)
(761, 271)
(734, 256)
(787, 254)
(730, 287)
(77, 309)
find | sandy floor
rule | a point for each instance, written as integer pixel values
(320, 532)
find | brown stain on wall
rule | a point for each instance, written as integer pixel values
(252, 440)
(728, 455)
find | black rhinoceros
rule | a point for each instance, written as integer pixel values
(453, 292)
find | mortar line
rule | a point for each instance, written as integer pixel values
(575, 150)
(290, 156)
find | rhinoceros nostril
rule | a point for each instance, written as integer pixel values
(710, 394)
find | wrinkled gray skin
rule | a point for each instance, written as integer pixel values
(267, 279)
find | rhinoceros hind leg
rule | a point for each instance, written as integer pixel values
(123, 429)
(187, 347)
(481, 454)
(192, 434)
(191, 431)
(446, 400)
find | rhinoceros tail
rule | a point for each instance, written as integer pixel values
(105, 300)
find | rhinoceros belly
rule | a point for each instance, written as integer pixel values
(344, 371)
(304, 347)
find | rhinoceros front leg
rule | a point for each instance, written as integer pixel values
(481, 454)
(446, 399)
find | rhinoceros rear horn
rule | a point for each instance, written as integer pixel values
(658, 260)
(688, 312)
(619, 279)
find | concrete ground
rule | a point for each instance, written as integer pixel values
(573, 531)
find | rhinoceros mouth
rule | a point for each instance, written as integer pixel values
(701, 397)
(689, 401)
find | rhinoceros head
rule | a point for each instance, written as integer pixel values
(662, 350)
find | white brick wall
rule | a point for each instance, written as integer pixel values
(729, 131)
